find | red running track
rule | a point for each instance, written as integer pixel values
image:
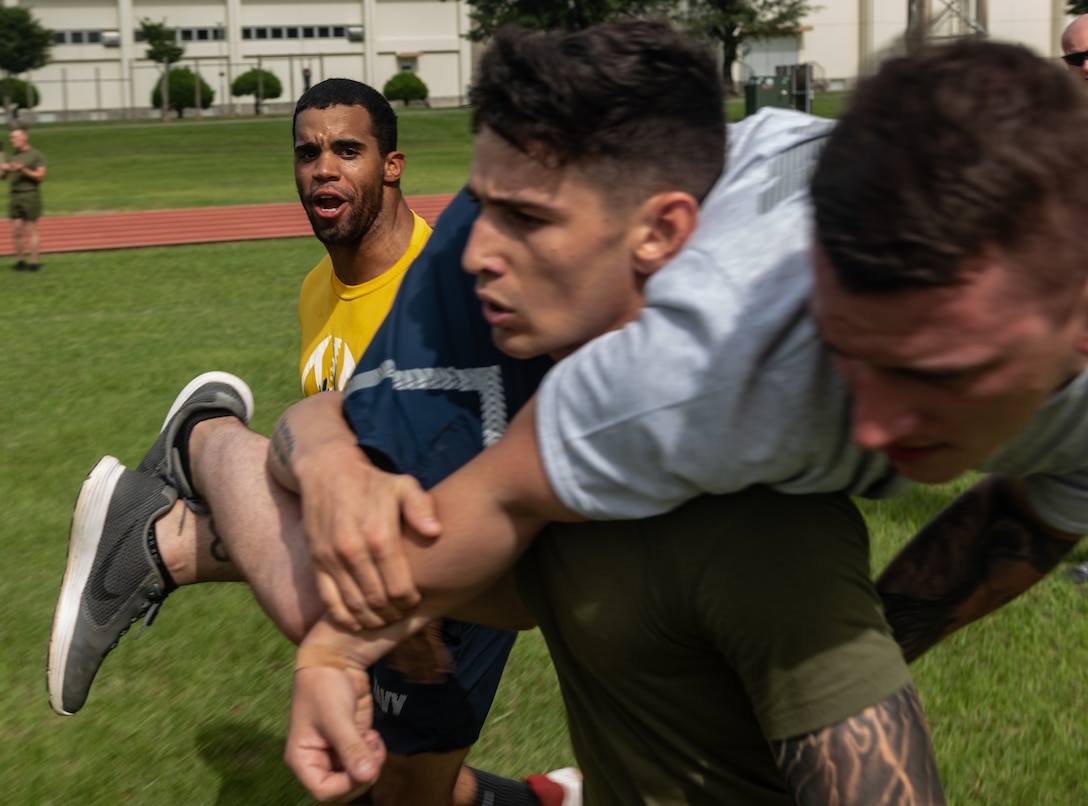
(81, 233)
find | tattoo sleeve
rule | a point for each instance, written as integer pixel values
(882, 755)
(977, 554)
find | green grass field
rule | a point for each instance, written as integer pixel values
(151, 166)
(96, 347)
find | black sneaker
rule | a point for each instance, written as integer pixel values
(20, 266)
(213, 394)
(113, 577)
(32, 266)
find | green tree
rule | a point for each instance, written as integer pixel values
(405, 87)
(261, 84)
(162, 48)
(732, 22)
(489, 15)
(24, 45)
(22, 94)
(181, 91)
(1076, 7)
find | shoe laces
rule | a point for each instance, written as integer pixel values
(155, 599)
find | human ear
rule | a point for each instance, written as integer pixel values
(394, 166)
(667, 221)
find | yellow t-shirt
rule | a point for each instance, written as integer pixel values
(338, 321)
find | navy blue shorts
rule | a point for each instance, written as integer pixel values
(441, 717)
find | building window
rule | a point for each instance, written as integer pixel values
(281, 32)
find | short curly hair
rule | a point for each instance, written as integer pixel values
(950, 152)
(348, 92)
(630, 102)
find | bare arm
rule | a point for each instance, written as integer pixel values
(882, 755)
(37, 174)
(330, 746)
(489, 511)
(351, 513)
(980, 552)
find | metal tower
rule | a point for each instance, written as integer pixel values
(946, 19)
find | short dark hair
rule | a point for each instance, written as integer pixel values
(630, 102)
(347, 92)
(947, 153)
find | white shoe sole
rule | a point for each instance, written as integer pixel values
(225, 378)
(88, 521)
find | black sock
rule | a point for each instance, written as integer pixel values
(187, 431)
(494, 790)
(153, 550)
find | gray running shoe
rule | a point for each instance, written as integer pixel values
(211, 392)
(113, 576)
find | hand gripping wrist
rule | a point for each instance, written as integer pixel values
(330, 657)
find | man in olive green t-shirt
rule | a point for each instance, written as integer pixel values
(26, 167)
(702, 652)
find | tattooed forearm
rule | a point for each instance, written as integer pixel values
(882, 755)
(283, 443)
(980, 552)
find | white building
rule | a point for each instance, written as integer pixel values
(99, 68)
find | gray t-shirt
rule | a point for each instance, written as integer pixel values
(723, 381)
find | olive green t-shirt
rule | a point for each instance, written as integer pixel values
(32, 158)
(684, 642)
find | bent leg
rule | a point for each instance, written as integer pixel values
(423, 779)
(255, 521)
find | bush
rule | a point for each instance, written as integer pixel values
(182, 91)
(261, 84)
(405, 87)
(17, 89)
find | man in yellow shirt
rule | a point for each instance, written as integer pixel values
(349, 185)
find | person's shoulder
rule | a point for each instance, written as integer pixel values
(772, 132)
(317, 276)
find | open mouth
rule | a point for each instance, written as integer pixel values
(327, 205)
(496, 315)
